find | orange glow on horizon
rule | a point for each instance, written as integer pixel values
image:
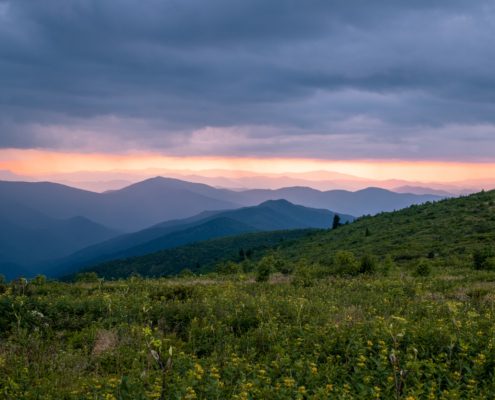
(36, 163)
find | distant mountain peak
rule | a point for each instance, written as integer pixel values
(282, 202)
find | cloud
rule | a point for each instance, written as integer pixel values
(321, 79)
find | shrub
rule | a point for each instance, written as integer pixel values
(304, 275)
(345, 263)
(283, 266)
(39, 280)
(422, 268)
(3, 286)
(484, 259)
(264, 269)
(87, 277)
(386, 265)
(186, 273)
(367, 264)
(229, 268)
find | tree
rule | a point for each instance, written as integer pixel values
(336, 221)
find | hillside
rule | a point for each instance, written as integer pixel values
(269, 216)
(447, 232)
(201, 257)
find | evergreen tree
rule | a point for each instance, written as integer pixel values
(336, 221)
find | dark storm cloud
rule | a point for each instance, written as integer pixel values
(316, 78)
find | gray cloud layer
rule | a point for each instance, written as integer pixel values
(336, 79)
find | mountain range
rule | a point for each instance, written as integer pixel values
(154, 200)
(272, 215)
(448, 233)
(44, 221)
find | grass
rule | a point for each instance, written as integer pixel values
(394, 337)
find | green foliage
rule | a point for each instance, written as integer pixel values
(88, 277)
(386, 265)
(265, 268)
(345, 263)
(484, 258)
(229, 268)
(39, 280)
(368, 264)
(423, 268)
(186, 273)
(202, 257)
(447, 230)
(207, 338)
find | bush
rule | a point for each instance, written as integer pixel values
(386, 265)
(264, 269)
(368, 264)
(345, 263)
(229, 268)
(39, 280)
(87, 277)
(304, 275)
(3, 285)
(186, 273)
(422, 269)
(484, 259)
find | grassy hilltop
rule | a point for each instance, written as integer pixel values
(397, 306)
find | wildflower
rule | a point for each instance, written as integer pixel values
(471, 384)
(214, 373)
(190, 394)
(313, 368)
(147, 331)
(302, 389)
(244, 396)
(198, 371)
(480, 359)
(361, 361)
(329, 387)
(113, 381)
(289, 382)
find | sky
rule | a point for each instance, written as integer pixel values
(382, 89)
